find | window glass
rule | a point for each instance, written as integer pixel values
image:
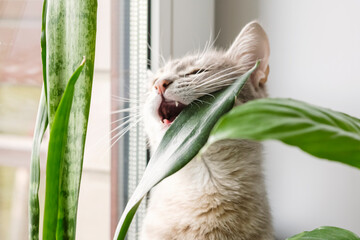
(20, 87)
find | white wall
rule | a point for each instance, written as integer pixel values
(179, 27)
(315, 49)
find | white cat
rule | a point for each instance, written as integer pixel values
(222, 194)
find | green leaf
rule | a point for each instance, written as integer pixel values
(318, 131)
(181, 142)
(55, 161)
(326, 233)
(43, 44)
(70, 34)
(40, 127)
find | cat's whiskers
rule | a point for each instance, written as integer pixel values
(226, 70)
(220, 81)
(207, 44)
(211, 43)
(212, 79)
(130, 109)
(202, 101)
(215, 87)
(118, 136)
(206, 69)
(124, 125)
(200, 94)
(187, 83)
(121, 133)
(159, 54)
(210, 84)
(121, 127)
(125, 100)
(129, 100)
(104, 148)
(206, 80)
(194, 102)
(126, 117)
(132, 115)
(206, 47)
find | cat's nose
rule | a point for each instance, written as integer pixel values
(161, 85)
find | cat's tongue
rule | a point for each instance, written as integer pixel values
(167, 122)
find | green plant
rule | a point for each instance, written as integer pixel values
(328, 233)
(321, 132)
(64, 104)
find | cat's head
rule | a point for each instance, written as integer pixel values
(182, 81)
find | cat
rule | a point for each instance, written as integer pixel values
(220, 195)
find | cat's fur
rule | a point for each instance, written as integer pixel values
(220, 195)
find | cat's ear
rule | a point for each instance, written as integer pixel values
(249, 46)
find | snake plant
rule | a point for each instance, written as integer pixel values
(67, 39)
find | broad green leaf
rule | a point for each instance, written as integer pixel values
(181, 142)
(70, 34)
(40, 127)
(326, 233)
(318, 131)
(56, 165)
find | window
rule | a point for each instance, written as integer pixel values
(20, 87)
(143, 33)
(129, 82)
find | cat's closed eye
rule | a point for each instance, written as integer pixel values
(196, 71)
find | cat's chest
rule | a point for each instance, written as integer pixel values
(224, 168)
(210, 195)
(194, 179)
(186, 196)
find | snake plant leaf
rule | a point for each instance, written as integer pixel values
(43, 44)
(181, 142)
(70, 34)
(56, 165)
(40, 127)
(326, 233)
(318, 131)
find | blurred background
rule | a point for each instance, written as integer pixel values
(314, 57)
(20, 87)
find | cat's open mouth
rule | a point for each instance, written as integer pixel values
(169, 110)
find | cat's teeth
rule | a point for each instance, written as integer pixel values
(176, 104)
